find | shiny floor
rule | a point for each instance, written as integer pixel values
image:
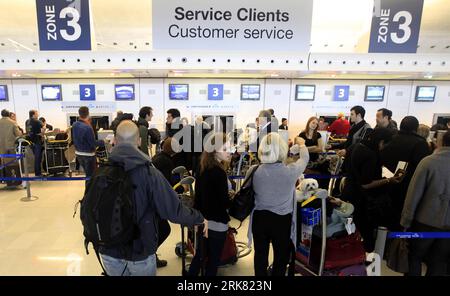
(41, 237)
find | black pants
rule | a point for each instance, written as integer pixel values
(210, 248)
(163, 231)
(268, 227)
(436, 252)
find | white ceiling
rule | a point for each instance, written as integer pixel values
(338, 25)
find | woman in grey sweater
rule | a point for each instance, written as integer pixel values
(427, 209)
(273, 219)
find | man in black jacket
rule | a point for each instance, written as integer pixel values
(153, 197)
(409, 147)
(358, 130)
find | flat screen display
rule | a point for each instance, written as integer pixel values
(425, 93)
(124, 92)
(51, 92)
(3, 93)
(178, 91)
(374, 93)
(305, 92)
(251, 92)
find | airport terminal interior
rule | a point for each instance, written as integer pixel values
(336, 112)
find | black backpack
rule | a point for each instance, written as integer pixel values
(107, 209)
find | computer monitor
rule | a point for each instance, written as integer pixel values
(179, 92)
(250, 92)
(425, 93)
(374, 93)
(3, 93)
(305, 92)
(124, 92)
(51, 92)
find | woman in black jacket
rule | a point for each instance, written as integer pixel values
(212, 200)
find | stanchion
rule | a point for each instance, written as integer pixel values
(29, 197)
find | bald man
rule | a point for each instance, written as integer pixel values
(153, 197)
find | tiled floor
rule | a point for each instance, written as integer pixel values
(43, 238)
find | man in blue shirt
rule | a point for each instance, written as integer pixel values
(85, 142)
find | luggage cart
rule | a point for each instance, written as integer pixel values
(55, 158)
(102, 154)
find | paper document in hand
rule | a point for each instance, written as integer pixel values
(402, 165)
(386, 173)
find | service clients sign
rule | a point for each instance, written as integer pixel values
(232, 24)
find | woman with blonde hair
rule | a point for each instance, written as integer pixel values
(273, 215)
(212, 200)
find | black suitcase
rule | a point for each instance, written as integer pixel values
(13, 171)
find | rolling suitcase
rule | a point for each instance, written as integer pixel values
(13, 171)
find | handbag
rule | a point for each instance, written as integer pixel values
(397, 257)
(244, 200)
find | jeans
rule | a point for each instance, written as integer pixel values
(208, 248)
(88, 163)
(268, 227)
(37, 151)
(435, 252)
(122, 267)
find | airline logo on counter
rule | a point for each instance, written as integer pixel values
(232, 24)
(395, 26)
(63, 25)
(94, 107)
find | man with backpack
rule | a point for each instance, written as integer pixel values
(121, 205)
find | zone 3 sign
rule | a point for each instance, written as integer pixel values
(395, 26)
(63, 24)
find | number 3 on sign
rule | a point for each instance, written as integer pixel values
(404, 27)
(71, 23)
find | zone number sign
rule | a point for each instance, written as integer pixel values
(395, 26)
(63, 24)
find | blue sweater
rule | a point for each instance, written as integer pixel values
(83, 137)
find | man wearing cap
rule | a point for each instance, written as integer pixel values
(340, 127)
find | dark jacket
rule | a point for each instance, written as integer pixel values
(357, 133)
(143, 133)
(408, 147)
(84, 137)
(283, 127)
(211, 197)
(164, 163)
(153, 197)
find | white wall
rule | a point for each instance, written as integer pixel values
(278, 94)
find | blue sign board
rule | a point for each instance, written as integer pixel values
(215, 91)
(63, 25)
(87, 92)
(395, 26)
(341, 92)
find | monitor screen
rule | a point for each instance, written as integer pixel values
(51, 92)
(124, 92)
(425, 93)
(178, 91)
(374, 93)
(305, 92)
(3, 93)
(250, 92)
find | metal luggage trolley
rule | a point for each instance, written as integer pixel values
(102, 154)
(55, 158)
